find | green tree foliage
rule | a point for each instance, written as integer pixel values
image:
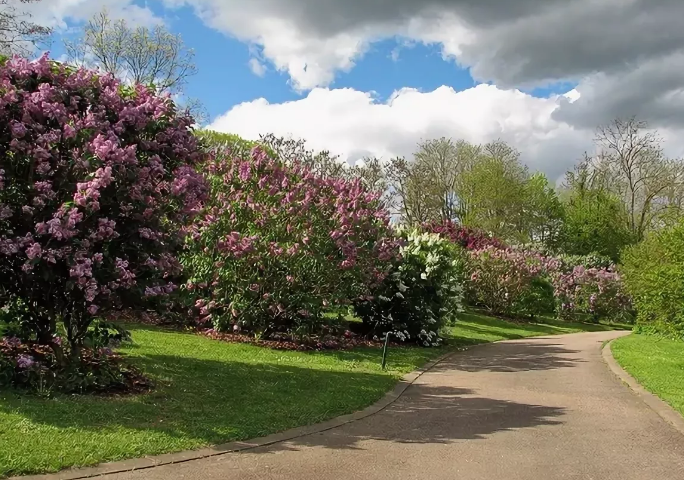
(543, 212)
(493, 189)
(595, 220)
(653, 273)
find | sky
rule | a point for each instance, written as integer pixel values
(375, 77)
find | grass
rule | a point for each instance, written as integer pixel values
(474, 328)
(211, 392)
(656, 363)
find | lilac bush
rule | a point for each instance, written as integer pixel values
(518, 282)
(422, 294)
(96, 181)
(594, 292)
(511, 282)
(467, 237)
(278, 245)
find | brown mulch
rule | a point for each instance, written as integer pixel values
(284, 342)
(278, 341)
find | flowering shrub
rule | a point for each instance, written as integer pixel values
(277, 245)
(466, 237)
(653, 272)
(597, 292)
(423, 292)
(96, 179)
(512, 282)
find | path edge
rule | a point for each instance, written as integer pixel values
(662, 408)
(143, 463)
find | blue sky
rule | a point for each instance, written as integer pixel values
(225, 79)
(539, 74)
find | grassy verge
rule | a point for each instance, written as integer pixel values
(210, 392)
(474, 328)
(656, 363)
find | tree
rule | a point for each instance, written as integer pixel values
(543, 212)
(411, 188)
(18, 35)
(596, 220)
(635, 169)
(494, 191)
(440, 161)
(149, 56)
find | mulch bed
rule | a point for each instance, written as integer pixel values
(278, 341)
(284, 342)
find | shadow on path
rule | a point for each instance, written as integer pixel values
(442, 414)
(512, 357)
(431, 415)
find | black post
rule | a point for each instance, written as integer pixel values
(384, 350)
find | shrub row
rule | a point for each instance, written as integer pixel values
(523, 283)
(108, 199)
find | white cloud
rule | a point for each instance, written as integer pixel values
(257, 67)
(352, 124)
(59, 14)
(610, 48)
(515, 44)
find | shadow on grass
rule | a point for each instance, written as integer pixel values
(212, 402)
(202, 401)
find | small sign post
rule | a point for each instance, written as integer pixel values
(384, 350)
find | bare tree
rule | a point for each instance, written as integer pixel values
(18, 35)
(410, 186)
(294, 151)
(445, 161)
(631, 160)
(151, 56)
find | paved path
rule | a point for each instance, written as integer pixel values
(534, 409)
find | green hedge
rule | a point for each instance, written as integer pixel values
(653, 273)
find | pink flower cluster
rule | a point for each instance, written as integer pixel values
(503, 279)
(96, 181)
(595, 291)
(276, 243)
(466, 237)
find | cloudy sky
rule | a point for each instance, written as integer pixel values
(374, 77)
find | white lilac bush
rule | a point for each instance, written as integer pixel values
(422, 294)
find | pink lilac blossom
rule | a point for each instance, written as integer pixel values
(113, 166)
(270, 223)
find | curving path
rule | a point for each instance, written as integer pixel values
(545, 408)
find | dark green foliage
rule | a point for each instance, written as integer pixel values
(595, 222)
(538, 298)
(653, 272)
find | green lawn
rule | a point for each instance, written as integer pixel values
(211, 392)
(474, 328)
(656, 363)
